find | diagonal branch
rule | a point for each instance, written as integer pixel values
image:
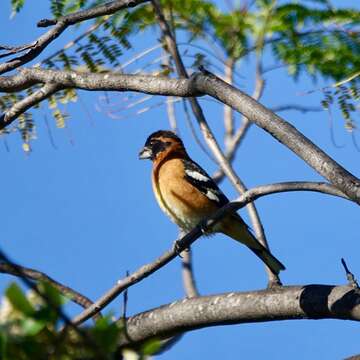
(16, 49)
(192, 236)
(21, 106)
(61, 24)
(283, 132)
(73, 295)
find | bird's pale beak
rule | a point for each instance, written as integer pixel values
(145, 153)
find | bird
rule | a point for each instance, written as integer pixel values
(188, 195)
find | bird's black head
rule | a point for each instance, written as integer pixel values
(158, 142)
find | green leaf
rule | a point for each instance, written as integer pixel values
(16, 6)
(106, 333)
(51, 294)
(18, 299)
(151, 347)
(31, 327)
(3, 344)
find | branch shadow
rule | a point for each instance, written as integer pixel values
(316, 303)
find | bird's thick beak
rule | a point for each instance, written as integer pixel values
(145, 153)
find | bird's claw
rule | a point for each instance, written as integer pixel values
(204, 227)
(177, 247)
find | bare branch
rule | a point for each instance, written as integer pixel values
(193, 235)
(228, 111)
(284, 303)
(188, 274)
(56, 80)
(73, 295)
(60, 26)
(71, 43)
(282, 131)
(296, 107)
(11, 50)
(21, 106)
(198, 85)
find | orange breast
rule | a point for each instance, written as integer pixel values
(182, 202)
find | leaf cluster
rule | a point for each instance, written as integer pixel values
(31, 328)
(309, 38)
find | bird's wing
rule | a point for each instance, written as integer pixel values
(199, 178)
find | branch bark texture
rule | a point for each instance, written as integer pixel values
(282, 303)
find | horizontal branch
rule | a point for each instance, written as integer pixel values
(296, 107)
(193, 235)
(60, 26)
(281, 303)
(197, 85)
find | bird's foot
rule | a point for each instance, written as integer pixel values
(204, 228)
(178, 247)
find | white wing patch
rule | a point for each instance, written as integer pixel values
(210, 194)
(196, 175)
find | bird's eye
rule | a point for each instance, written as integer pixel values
(154, 141)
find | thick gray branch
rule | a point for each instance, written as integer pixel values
(281, 131)
(92, 82)
(283, 303)
(199, 84)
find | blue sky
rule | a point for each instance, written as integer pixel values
(85, 214)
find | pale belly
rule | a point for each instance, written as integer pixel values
(182, 202)
(179, 212)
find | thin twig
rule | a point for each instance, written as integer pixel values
(349, 275)
(228, 111)
(14, 50)
(61, 24)
(71, 43)
(296, 107)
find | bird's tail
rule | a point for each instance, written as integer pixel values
(236, 228)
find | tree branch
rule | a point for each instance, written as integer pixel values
(198, 85)
(188, 274)
(281, 130)
(60, 26)
(73, 295)
(296, 107)
(193, 235)
(26, 103)
(284, 303)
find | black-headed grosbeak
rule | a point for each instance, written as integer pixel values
(188, 195)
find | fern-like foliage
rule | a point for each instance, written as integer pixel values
(309, 38)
